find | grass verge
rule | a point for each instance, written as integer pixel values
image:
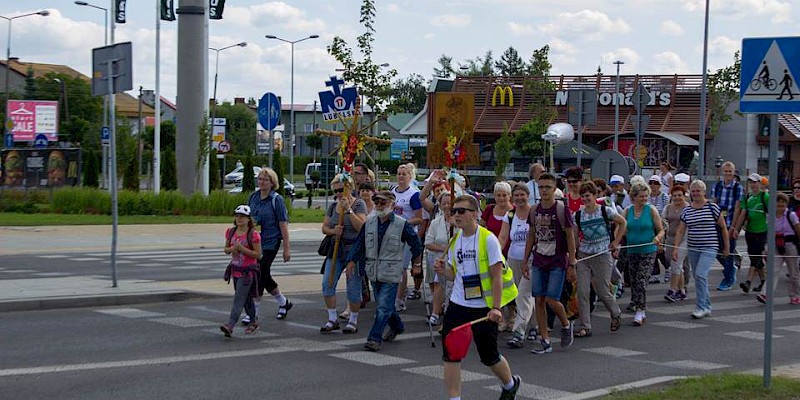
(20, 219)
(724, 386)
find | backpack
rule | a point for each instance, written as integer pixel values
(715, 217)
(605, 219)
(762, 195)
(232, 231)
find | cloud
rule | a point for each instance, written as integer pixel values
(671, 28)
(428, 36)
(588, 24)
(559, 46)
(669, 62)
(517, 29)
(392, 8)
(275, 16)
(451, 20)
(628, 56)
(723, 46)
(779, 10)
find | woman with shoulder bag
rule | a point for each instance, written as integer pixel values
(354, 213)
(787, 230)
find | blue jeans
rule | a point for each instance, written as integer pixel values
(353, 282)
(728, 269)
(701, 261)
(547, 283)
(385, 312)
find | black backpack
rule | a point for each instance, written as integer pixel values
(605, 219)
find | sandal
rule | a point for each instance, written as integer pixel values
(583, 332)
(329, 327)
(251, 329)
(283, 310)
(350, 328)
(616, 322)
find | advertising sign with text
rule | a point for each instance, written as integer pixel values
(32, 117)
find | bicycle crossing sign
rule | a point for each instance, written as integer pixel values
(769, 68)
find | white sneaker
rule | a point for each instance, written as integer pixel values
(639, 318)
(700, 313)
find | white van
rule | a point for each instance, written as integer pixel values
(311, 167)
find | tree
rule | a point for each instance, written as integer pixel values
(528, 139)
(278, 164)
(510, 63)
(502, 151)
(91, 168)
(85, 111)
(374, 84)
(314, 141)
(30, 85)
(241, 126)
(214, 166)
(445, 69)
(409, 94)
(723, 89)
(169, 169)
(479, 66)
(248, 183)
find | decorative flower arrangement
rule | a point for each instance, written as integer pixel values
(350, 147)
(454, 150)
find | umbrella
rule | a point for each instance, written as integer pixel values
(457, 340)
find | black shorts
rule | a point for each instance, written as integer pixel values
(756, 244)
(484, 334)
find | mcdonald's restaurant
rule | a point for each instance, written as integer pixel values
(670, 130)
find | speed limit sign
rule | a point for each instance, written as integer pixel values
(224, 146)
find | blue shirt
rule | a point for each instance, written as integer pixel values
(640, 231)
(726, 198)
(409, 237)
(263, 213)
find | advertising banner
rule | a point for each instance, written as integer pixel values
(32, 117)
(34, 168)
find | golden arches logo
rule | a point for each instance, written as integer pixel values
(502, 91)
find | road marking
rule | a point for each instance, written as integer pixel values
(437, 372)
(376, 359)
(19, 271)
(750, 335)
(679, 324)
(152, 265)
(614, 352)
(54, 256)
(793, 328)
(51, 274)
(304, 262)
(401, 337)
(535, 392)
(238, 333)
(118, 262)
(142, 362)
(620, 388)
(691, 364)
(186, 267)
(85, 259)
(756, 317)
(718, 306)
(183, 322)
(128, 312)
(304, 344)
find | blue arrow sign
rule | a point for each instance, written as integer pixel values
(269, 111)
(769, 69)
(40, 141)
(9, 140)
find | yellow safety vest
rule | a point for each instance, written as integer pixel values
(509, 288)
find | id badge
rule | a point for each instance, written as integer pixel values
(472, 287)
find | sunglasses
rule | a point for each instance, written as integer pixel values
(460, 210)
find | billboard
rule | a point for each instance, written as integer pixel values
(32, 168)
(32, 117)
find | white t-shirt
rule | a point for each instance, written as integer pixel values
(465, 253)
(665, 182)
(405, 202)
(518, 235)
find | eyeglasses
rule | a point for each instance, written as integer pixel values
(380, 202)
(460, 210)
(340, 190)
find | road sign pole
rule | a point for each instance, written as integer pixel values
(580, 125)
(113, 171)
(271, 140)
(773, 189)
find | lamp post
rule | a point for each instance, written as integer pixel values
(213, 112)
(291, 99)
(105, 98)
(63, 97)
(616, 108)
(42, 13)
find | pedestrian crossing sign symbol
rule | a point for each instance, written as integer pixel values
(769, 68)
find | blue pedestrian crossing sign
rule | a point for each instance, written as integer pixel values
(769, 68)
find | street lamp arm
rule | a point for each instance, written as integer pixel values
(43, 13)
(83, 3)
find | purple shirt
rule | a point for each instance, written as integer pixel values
(550, 250)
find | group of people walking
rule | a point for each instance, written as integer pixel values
(544, 250)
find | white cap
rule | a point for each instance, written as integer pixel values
(655, 178)
(616, 179)
(754, 177)
(242, 209)
(682, 178)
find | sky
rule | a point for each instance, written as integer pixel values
(649, 36)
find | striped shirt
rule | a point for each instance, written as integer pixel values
(701, 226)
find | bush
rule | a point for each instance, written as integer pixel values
(91, 167)
(169, 174)
(72, 200)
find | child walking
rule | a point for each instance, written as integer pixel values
(243, 243)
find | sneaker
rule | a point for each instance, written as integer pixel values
(246, 320)
(511, 394)
(401, 306)
(681, 295)
(639, 318)
(226, 329)
(413, 294)
(667, 277)
(700, 313)
(724, 287)
(543, 348)
(349, 329)
(745, 286)
(434, 321)
(533, 334)
(762, 298)
(759, 287)
(795, 301)
(372, 345)
(517, 341)
(670, 296)
(567, 335)
(654, 279)
(391, 334)
(251, 329)
(344, 315)
(329, 327)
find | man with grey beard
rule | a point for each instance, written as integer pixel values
(378, 245)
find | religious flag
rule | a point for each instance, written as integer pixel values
(119, 12)
(215, 8)
(167, 10)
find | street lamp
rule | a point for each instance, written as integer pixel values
(105, 20)
(64, 97)
(43, 13)
(291, 99)
(616, 108)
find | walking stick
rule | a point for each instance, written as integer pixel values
(428, 311)
(332, 268)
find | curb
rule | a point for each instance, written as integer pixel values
(54, 303)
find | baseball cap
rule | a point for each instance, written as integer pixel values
(754, 177)
(615, 179)
(385, 195)
(242, 209)
(655, 178)
(682, 178)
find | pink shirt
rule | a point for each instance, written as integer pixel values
(241, 259)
